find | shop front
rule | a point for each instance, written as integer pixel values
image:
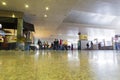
(13, 30)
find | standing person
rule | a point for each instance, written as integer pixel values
(57, 44)
(79, 45)
(99, 45)
(66, 44)
(44, 45)
(47, 45)
(52, 46)
(91, 45)
(71, 46)
(60, 41)
(87, 45)
(60, 44)
(39, 44)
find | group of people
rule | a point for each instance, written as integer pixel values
(89, 45)
(43, 45)
(55, 45)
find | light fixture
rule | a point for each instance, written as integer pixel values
(46, 8)
(45, 15)
(4, 3)
(26, 6)
(0, 26)
(13, 15)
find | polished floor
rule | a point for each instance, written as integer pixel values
(60, 65)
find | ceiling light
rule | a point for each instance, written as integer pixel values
(13, 15)
(45, 15)
(46, 8)
(4, 3)
(0, 26)
(27, 6)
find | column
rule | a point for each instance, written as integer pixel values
(19, 32)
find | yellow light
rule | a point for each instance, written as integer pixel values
(13, 15)
(4, 3)
(27, 6)
(47, 8)
(45, 15)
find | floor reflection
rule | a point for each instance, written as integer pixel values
(73, 59)
(59, 65)
(104, 64)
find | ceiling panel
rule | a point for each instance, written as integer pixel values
(104, 7)
(88, 18)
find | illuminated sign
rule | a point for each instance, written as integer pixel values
(83, 37)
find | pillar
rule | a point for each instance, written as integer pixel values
(19, 32)
(19, 29)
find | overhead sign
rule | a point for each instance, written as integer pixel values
(83, 37)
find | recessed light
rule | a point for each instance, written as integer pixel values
(26, 5)
(46, 8)
(45, 15)
(13, 15)
(4, 3)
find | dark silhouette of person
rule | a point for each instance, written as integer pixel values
(87, 45)
(91, 45)
(99, 45)
(40, 44)
(71, 46)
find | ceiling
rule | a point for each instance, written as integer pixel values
(68, 17)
